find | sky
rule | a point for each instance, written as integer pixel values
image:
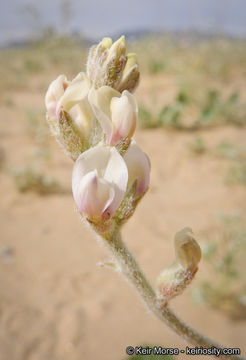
(98, 18)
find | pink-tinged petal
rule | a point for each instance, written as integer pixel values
(124, 112)
(94, 158)
(116, 173)
(76, 91)
(99, 181)
(138, 165)
(94, 196)
(54, 93)
(100, 100)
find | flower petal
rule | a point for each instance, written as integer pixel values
(94, 158)
(100, 100)
(116, 173)
(54, 93)
(82, 116)
(124, 116)
(94, 195)
(138, 165)
(76, 91)
(111, 173)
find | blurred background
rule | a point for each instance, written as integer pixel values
(55, 302)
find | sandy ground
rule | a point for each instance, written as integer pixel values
(55, 302)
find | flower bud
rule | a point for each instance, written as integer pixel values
(97, 54)
(116, 113)
(108, 65)
(131, 63)
(106, 43)
(115, 63)
(131, 74)
(173, 280)
(99, 183)
(188, 252)
(117, 49)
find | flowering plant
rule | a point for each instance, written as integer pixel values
(93, 117)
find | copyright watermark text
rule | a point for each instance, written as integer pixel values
(158, 350)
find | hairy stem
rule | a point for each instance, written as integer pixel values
(131, 270)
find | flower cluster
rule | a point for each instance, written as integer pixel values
(94, 117)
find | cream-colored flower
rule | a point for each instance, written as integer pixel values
(71, 97)
(75, 102)
(99, 182)
(69, 114)
(117, 113)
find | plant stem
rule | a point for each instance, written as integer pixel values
(131, 270)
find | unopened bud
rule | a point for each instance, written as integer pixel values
(109, 65)
(173, 280)
(188, 252)
(106, 43)
(115, 63)
(96, 57)
(131, 74)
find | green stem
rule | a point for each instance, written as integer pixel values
(131, 270)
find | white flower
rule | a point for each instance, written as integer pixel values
(101, 177)
(116, 113)
(76, 91)
(71, 97)
(99, 182)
